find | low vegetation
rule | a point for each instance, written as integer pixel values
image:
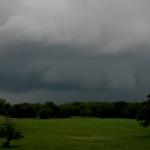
(9, 132)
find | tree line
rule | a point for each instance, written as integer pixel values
(47, 110)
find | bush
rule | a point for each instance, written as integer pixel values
(9, 132)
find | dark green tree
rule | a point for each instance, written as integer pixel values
(25, 110)
(5, 107)
(143, 116)
(48, 110)
(45, 113)
(9, 131)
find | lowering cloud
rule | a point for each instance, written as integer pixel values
(74, 50)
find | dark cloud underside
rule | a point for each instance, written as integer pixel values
(74, 50)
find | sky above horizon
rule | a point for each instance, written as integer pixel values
(74, 50)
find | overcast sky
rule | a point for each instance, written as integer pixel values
(72, 50)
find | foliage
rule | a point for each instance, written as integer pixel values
(25, 110)
(45, 113)
(144, 114)
(5, 108)
(9, 132)
(47, 110)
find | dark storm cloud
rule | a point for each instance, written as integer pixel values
(74, 50)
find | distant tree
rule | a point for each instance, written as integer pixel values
(5, 108)
(119, 109)
(144, 114)
(64, 111)
(9, 131)
(44, 113)
(105, 110)
(25, 110)
(48, 110)
(132, 110)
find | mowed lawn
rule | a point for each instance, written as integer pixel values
(82, 134)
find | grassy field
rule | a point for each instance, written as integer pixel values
(82, 133)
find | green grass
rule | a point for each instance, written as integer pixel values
(82, 133)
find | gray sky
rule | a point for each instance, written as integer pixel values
(66, 50)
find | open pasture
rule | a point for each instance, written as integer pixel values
(81, 133)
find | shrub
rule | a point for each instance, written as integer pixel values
(9, 131)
